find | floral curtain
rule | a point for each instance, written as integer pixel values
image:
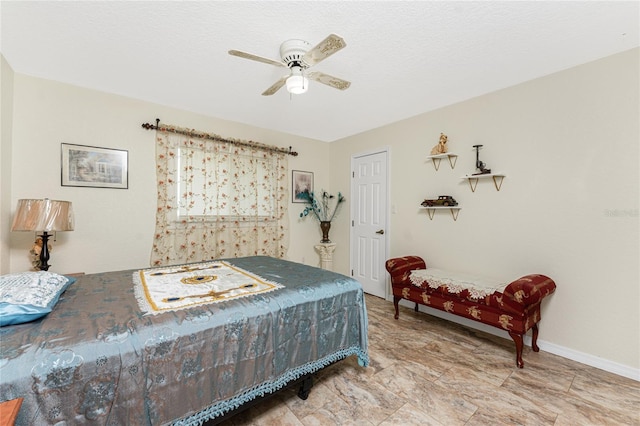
(218, 200)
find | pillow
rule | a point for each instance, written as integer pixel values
(28, 296)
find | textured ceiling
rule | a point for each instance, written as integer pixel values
(403, 57)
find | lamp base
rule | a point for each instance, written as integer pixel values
(44, 253)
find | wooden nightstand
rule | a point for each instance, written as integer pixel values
(9, 411)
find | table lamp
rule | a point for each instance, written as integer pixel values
(46, 216)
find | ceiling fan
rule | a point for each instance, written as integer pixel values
(299, 56)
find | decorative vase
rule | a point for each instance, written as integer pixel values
(325, 226)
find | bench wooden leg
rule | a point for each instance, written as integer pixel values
(396, 299)
(517, 338)
(534, 338)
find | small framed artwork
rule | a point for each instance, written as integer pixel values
(302, 186)
(94, 167)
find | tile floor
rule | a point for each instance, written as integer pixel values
(428, 371)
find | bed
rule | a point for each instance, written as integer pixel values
(100, 358)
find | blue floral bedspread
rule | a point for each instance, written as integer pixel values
(97, 359)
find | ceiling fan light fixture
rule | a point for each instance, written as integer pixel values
(297, 83)
(299, 56)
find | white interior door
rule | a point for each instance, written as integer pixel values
(369, 221)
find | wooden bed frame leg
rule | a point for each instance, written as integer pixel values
(534, 338)
(396, 299)
(305, 387)
(415, 308)
(517, 338)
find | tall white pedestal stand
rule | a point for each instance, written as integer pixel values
(326, 255)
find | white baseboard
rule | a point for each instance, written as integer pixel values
(581, 357)
(592, 360)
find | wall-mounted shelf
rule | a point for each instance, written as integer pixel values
(431, 211)
(473, 180)
(453, 158)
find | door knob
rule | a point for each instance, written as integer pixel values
(380, 232)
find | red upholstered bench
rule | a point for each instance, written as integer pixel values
(516, 308)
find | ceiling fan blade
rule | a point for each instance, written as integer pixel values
(324, 49)
(329, 80)
(275, 86)
(252, 57)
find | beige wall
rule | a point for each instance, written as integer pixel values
(114, 227)
(568, 207)
(6, 119)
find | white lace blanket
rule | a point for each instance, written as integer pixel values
(178, 287)
(478, 287)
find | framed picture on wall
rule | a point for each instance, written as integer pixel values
(302, 186)
(94, 167)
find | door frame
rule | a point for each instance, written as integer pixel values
(387, 151)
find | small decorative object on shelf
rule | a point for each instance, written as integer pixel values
(482, 170)
(442, 200)
(440, 151)
(441, 147)
(324, 208)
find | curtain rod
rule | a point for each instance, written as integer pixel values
(210, 136)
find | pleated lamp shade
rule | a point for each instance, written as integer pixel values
(43, 215)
